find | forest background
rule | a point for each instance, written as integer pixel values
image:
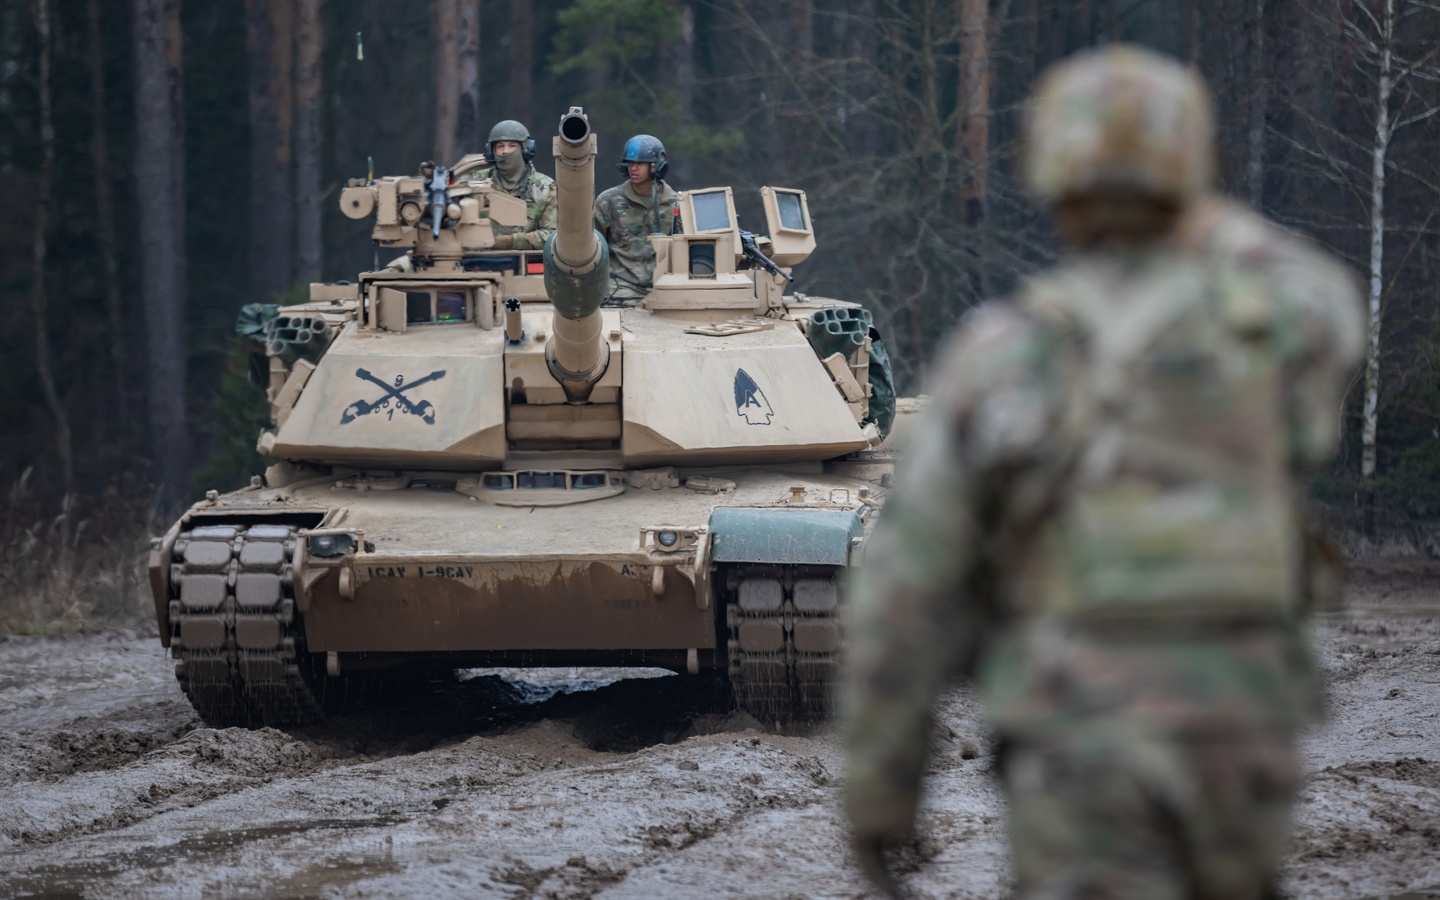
(166, 161)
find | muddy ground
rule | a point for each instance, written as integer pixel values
(574, 785)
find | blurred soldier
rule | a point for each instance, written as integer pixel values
(510, 154)
(627, 214)
(1099, 519)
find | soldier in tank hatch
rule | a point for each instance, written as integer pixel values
(510, 158)
(628, 213)
(1099, 522)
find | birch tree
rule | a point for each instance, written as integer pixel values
(1396, 105)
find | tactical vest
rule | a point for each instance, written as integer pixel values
(1177, 504)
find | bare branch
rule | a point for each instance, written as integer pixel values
(1419, 117)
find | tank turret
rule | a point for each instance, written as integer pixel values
(577, 265)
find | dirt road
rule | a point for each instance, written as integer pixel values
(573, 786)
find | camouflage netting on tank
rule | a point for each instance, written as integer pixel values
(843, 329)
(882, 385)
(250, 325)
(289, 337)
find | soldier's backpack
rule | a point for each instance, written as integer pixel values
(1178, 505)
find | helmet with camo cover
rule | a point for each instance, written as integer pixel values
(1120, 120)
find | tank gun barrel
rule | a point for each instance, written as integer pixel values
(577, 264)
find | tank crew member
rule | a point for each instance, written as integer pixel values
(628, 213)
(1099, 519)
(510, 152)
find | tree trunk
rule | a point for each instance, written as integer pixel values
(677, 69)
(1383, 87)
(1030, 32)
(159, 166)
(1259, 95)
(105, 231)
(446, 41)
(1190, 31)
(860, 87)
(309, 43)
(39, 300)
(1082, 29)
(972, 133)
(522, 64)
(270, 43)
(800, 37)
(467, 123)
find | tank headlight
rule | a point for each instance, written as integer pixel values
(328, 545)
(669, 538)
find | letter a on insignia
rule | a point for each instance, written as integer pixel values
(750, 402)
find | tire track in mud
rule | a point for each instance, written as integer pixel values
(103, 782)
(427, 802)
(702, 810)
(652, 787)
(196, 768)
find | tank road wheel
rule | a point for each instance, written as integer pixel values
(784, 641)
(234, 630)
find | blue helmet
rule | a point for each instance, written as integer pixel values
(644, 148)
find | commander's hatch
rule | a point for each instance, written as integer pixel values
(697, 269)
(710, 216)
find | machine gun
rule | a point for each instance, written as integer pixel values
(439, 191)
(757, 258)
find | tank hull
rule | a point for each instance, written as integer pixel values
(437, 572)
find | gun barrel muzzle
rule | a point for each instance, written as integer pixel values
(574, 128)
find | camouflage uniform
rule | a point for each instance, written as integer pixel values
(1098, 522)
(626, 221)
(542, 214)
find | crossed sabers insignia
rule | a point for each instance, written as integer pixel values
(424, 409)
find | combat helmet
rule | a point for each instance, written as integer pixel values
(645, 148)
(510, 130)
(1120, 119)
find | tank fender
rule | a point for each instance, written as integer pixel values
(158, 566)
(789, 536)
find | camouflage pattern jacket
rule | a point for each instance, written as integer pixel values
(1098, 520)
(625, 220)
(542, 214)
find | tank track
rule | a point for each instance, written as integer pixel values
(785, 627)
(234, 631)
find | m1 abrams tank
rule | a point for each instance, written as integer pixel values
(485, 464)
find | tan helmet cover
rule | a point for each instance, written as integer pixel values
(1120, 119)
